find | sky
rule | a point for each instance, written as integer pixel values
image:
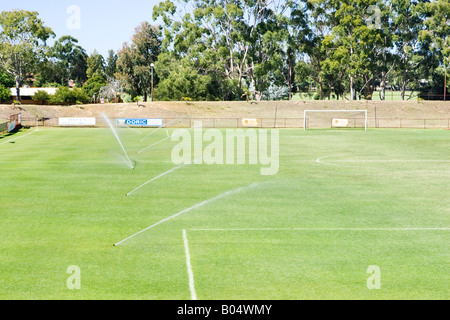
(97, 24)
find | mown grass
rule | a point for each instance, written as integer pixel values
(63, 202)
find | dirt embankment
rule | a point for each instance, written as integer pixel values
(282, 109)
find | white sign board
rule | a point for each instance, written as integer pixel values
(140, 122)
(77, 122)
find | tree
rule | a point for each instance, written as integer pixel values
(95, 66)
(135, 59)
(356, 43)
(69, 53)
(6, 80)
(318, 26)
(181, 79)
(42, 96)
(93, 86)
(111, 91)
(66, 96)
(64, 61)
(111, 64)
(436, 38)
(23, 39)
(5, 93)
(408, 22)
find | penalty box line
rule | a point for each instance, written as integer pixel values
(324, 229)
(14, 139)
(190, 270)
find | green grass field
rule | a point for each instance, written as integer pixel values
(341, 202)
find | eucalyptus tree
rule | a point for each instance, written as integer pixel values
(23, 39)
(136, 60)
(408, 18)
(436, 35)
(357, 42)
(247, 43)
(71, 57)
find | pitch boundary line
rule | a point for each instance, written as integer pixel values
(188, 255)
(339, 162)
(4, 142)
(189, 267)
(324, 229)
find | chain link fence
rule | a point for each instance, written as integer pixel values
(274, 123)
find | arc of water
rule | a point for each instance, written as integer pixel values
(118, 140)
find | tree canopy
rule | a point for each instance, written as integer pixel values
(23, 39)
(233, 49)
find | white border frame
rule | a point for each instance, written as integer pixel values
(322, 111)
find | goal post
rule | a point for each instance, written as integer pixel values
(336, 119)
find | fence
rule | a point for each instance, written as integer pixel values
(10, 125)
(3, 126)
(278, 123)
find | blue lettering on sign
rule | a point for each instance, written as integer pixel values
(136, 122)
(141, 122)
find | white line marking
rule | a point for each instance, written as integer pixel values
(81, 161)
(390, 161)
(156, 178)
(19, 137)
(320, 161)
(189, 267)
(223, 195)
(326, 229)
(338, 162)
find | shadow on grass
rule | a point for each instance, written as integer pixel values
(13, 133)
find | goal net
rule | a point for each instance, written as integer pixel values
(335, 119)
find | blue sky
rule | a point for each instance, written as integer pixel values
(103, 25)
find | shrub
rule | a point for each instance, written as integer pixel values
(5, 93)
(93, 86)
(66, 96)
(42, 96)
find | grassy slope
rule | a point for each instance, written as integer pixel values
(284, 109)
(63, 203)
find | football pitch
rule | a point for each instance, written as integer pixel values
(349, 215)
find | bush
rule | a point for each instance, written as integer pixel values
(66, 96)
(42, 96)
(93, 86)
(5, 93)
(275, 92)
